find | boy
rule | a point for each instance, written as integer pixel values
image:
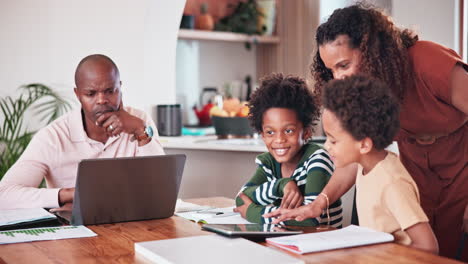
(293, 172)
(360, 119)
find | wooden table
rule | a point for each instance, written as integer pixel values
(115, 244)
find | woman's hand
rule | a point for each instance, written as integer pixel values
(292, 197)
(243, 208)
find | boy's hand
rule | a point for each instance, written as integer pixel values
(243, 208)
(302, 213)
(292, 197)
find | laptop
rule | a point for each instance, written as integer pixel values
(125, 189)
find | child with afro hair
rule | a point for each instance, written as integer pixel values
(360, 119)
(294, 171)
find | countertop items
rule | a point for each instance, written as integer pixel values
(212, 143)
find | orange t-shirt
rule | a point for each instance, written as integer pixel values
(387, 199)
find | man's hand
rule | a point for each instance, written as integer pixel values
(243, 208)
(292, 197)
(302, 213)
(64, 208)
(66, 195)
(120, 121)
(465, 220)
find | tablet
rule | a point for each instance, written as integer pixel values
(251, 231)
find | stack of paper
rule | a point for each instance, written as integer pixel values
(210, 249)
(215, 216)
(350, 236)
(15, 218)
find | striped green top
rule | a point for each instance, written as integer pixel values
(311, 175)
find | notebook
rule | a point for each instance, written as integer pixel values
(125, 189)
(210, 249)
(350, 236)
(26, 218)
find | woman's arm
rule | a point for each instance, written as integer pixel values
(341, 181)
(459, 88)
(423, 238)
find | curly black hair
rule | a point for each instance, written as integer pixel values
(365, 107)
(383, 46)
(277, 90)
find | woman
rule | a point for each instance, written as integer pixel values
(431, 82)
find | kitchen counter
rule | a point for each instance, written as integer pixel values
(212, 143)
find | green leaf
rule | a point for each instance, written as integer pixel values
(13, 138)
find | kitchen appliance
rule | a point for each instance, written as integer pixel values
(169, 120)
(207, 101)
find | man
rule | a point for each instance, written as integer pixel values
(102, 128)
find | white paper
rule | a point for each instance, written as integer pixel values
(15, 216)
(182, 206)
(342, 238)
(224, 215)
(45, 233)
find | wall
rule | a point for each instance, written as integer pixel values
(43, 41)
(433, 19)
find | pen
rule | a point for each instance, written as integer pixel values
(224, 214)
(219, 214)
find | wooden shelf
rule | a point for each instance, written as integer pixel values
(192, 34)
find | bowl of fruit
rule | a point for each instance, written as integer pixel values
(230, 120)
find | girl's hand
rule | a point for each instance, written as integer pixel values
(243, 208)
(292, 197)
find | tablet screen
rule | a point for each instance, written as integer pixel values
(250, 230)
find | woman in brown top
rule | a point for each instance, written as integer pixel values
(432, 84)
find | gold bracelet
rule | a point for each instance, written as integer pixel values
(328, 205)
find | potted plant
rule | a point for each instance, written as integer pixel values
(14, 137)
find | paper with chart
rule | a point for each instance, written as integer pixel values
(16, 216)
(47, 233)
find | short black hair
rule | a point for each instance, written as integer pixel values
(365, 107)
(279, 91)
